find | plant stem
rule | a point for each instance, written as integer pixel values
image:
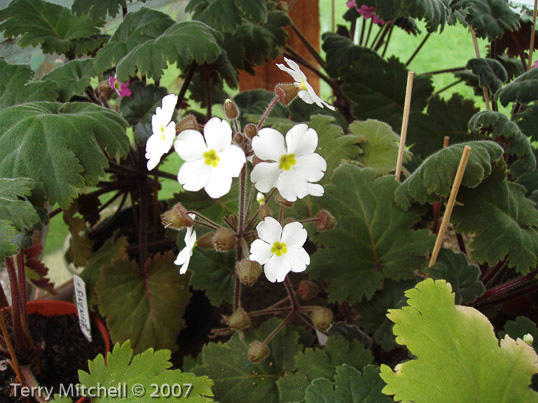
(502, 288)
(533, 33)
(369, 30)
(387, 41)
(162, 174)
(9, 345)
(385, 30)
(291, 293)
(363, 30)
(274, 311)
(143, 214)
(207, 222)
(279, 327)
(461, 243)
(492, 272)
(267, 112)
(477, 53)
(237, 282)
(419, 47)
(242, 197)
(448, 86)
(208, 101)
(520, 51)
(185, 86)
(451, 70)
(16, 305)
(308, 46)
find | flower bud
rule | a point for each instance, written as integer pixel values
(187, 123)
(322, 318)
(176, 218)
(528, 339)
(224, 239)
(248, 271)
(326, 221)
(206, 240)
(286, 93)
(257, 351)
(264, 211)
(104, 90)
(251, 130)
(260, 198)
(238, 320)
(238, 138)
(283, 202)
(231, 110)
(307, 290)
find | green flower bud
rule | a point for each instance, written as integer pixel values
(326, 221)
(307, 290)
(238, 320)
(248, 271)
(257, 351)
(286, 93)
(251, 130)
(176, 218)
(528, 339)
(224, 239)
(231, 110)
(322, 318)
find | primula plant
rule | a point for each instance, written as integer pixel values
(259, 244)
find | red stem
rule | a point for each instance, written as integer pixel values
(16, 307)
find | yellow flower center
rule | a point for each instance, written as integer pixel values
(211, 158)
(117, 85)
(287, 161)
(279, 248)
(162, 131)
(302, 86)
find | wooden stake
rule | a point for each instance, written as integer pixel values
(477, 53)
(533, 33)
(333, 24)
(450, 204)
(405, 122)
(446, 141)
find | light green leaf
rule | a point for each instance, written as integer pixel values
(147, 307)
(60, 146)
(98, 9)
(372, 239)
(523, 89)
(148, 369)
(462, 345)
(434, 178)
(72, 78)
(7, 245)
(182, 43)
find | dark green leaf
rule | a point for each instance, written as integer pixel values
(434, 12)
(8, 246)
(528, 121)
(523, 89)
(14, 206)
(72, 78)
(341, 51)
(98, 9)
(214, 273)
(518, 328)
(255, 102)
(491, 74)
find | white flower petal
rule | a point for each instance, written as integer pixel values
(183, 256)
(298, 74)
(232, 159)
(292, 185)
(260, 251)
(265, 176)
(276, 268)
(269, 145)
(301, 140)
(190, 145)
(194, 175)
(190, 236)
(269, 230)
(219, 183)
(218, 134)
(306, 97)
(294, 235)
(315, 189)
(311, 166)
(298, 259)
(168, 107)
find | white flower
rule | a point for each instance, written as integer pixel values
(306, 92)
(290, 167)
(164, 131)
(184, 256)
(211, 163)
(280, 250)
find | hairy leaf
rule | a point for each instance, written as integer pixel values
(98, 9)
(434, 178)
(72, 78)
(372, 239)
(523, 89)
(60, 146)
(214, 273)
(528, 121)
(8, 247)
(341, 51)
(491, 74)
(435, 12)
(462, 345)
(146, 308)
(255, 102)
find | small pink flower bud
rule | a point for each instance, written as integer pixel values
(286, 93)
(206, 240)
(238, 320)
(248, 271)
(307, 290)
(224, 239)
(257, 351)
(322, 318)
(176, 218)
(187, 123)
(326, 221)
(231, 110)
(251, 130)
(283, 202)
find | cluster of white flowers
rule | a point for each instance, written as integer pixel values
(211, 161)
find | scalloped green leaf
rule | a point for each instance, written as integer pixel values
(44, 24)
(235, 378)
(349, 386)
(14, 206)
(314, 363)
(491, 74)
(435, 12)
(255, 102)
(521, 326)
(16, 87)
(134, 30)
(341, 51)
(8, 247)
(505, 132)
(528, 121)
(98, 9)
(434, 177)
(523, 89)
(372, 239)
(183, 43)
(463, 276)
(462, 345)
(145, 307)
(72, 78)
(504, 221)
(489, 18)
(60, 146)
(372, 315)
(147, 369)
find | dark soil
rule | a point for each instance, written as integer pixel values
(66, 350)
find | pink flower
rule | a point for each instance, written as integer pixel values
(351, 3)
(121, 88)
(369, 12)
(534, 65)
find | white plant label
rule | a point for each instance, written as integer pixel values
(82, 307)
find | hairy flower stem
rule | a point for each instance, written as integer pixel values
(237, 282)
(369, 30)
(242, 196)
(489, 275)
(186, 83)
(510, 296)
(267, 112)
(419, 47)
(208, 101)
(363, 29)
(308, 46)
(16, 305)
(461, 243)
(309, 220)
(275, 311)
(206, 222)
(286, 320)
(500, 289)
(291, 292)
(280, 215)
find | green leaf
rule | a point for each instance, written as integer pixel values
(8, 246)
(72, 78)
(462, 275)
(147, 307)
(213, 272)
(98, 9)
(349, 386)
(53, 27)
(491, 74)
(227, 15)
(380, 150)
(236, 380)
(503, 220)
(462, 345)
(372, 239)
(506, 133)
(182, 43)
(150, 369)
(14, 206)
(518, 328)
(434, 178)
(489, 18)
(528, 121)
(134, 30)
(523, 89)
(341, 51)
(59, 146)
(435, 12)
(321, 363)
(443, 118)
(372, 315)
(16, 87)
(255, 102)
